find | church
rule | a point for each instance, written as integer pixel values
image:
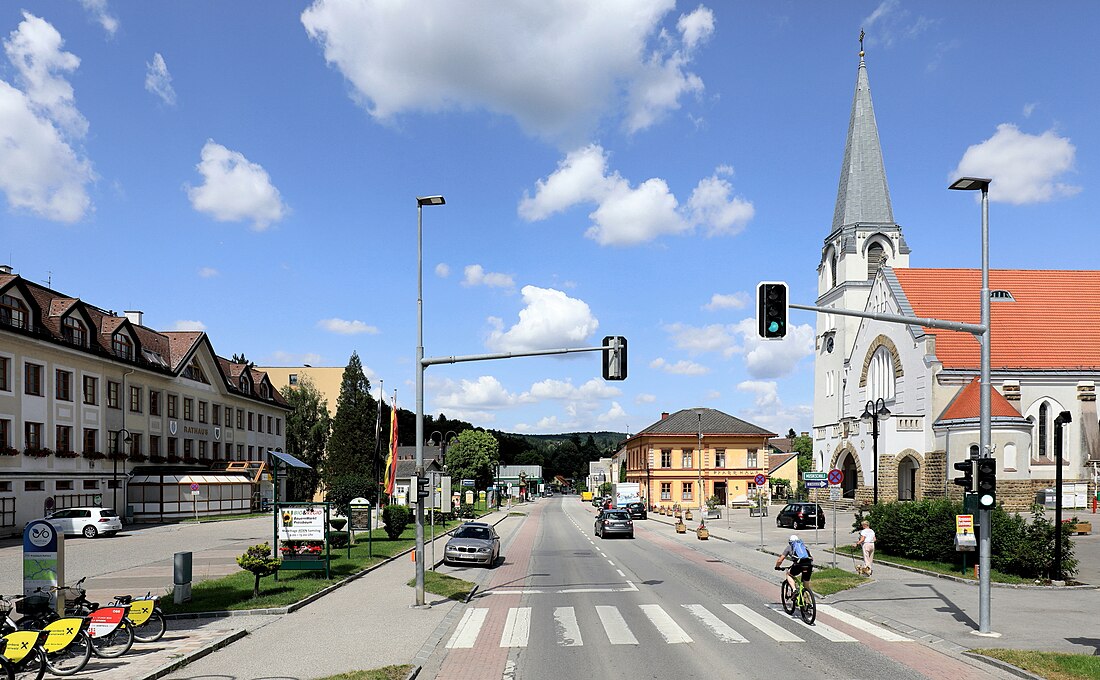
(1044, 347)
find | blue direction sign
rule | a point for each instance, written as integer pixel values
(467, 482)
(816, 483)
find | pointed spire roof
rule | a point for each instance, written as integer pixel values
(863, 195)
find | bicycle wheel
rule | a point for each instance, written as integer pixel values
(808, 607)
(72, 659)
(116, 644)
(786, 595)
(32, 667)
(7, 672)
(153, 628)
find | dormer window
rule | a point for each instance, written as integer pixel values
(1001, 295)
(244, 384)
(874, 259)
(13, 312)
(194, 372)
(265, 391)
(74, 332)
(122, 346)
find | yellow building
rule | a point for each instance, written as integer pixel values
(693, 454)
(326, 379)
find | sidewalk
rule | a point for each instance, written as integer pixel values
(941, 612)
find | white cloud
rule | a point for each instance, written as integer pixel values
(208, 273)
(719, 301)
(39, 170)
(890, 23)
(773, 358)
(556, 66)
(281, 358)
(159, 81)
(344, 327)
(98, 8)
(442, 270)
(645, 398)
(716, 338)
(769, 411)
(1024, 168)
(712, 395)
(563, 389)
(482, 396)
(614, 414)
(549, 320)
(235, 189)
(682, 367)
(475, 275)
(1029, 108)
(188, 325)
(626, 215)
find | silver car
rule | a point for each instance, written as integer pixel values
(473, 543)
(614, 522)
(89, 522)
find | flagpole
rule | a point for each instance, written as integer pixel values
(378, 447)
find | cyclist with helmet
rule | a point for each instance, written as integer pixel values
(803, 562)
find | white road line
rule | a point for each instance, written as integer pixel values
(618, 633)
(669, 630)
(865, 626)
(828, 632)
(466, 634)
(517, 627)
(719, 627)
(611, 563)
(620, 572)
(569, 633)
(772, 630)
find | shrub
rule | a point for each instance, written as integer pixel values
(258, 560)
(342, 490)
(337, 539)
(467, 511)
(396, 518)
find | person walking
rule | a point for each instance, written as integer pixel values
(867, 542)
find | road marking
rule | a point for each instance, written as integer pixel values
(719, 627)
(618, 633)
(569, 633)
(466, 634)
(772, 630)
(517, 627)
(611, 563)
(828, 632)
(669, 630)
(865, 626)
(620, 572)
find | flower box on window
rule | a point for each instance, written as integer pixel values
(94, 455)
(190, 460)
(37, 452)
(117, 455)
(138, 457)
(157, 459)
(174, 459)
(67, 454)
(8, 451)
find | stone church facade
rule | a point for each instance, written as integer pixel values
(1045, 355)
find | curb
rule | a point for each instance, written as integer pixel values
(1003, 665)
(413, 673)
(196, 655)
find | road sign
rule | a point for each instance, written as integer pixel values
(834, 494)
(467, 482)
(194, 486)
(836, 476)
(964, 524)
(816, 483)
(761, 480)
(815, 476)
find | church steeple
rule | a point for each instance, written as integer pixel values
(863, 196)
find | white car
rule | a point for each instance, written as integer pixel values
(89, 522)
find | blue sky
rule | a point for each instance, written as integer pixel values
(628, 167)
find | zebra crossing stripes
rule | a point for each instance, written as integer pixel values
(618, 633)
(769, 628)
(865, 626)
(517, 628)
(569, 632)
(465, 634)
(664, 624)
(720, 628)
(828, 632)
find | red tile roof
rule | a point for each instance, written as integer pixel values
(967, 404)
(1053, 322)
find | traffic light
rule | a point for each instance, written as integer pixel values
(987, 483)
(967, 467)
(614, 358)
(422, 490)
(771, 309)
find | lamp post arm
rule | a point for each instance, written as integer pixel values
(973, 328)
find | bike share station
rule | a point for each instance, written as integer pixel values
(301, 528)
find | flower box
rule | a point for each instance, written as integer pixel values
(94, 455)
(137, 457)
(67, 454)
(37, 452)
(157, 459)
(117, 455)
(8, 451)
(174, 459)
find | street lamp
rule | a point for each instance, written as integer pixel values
(421, 201)
(699, 415)
(648, 484)
(119, 440)
(984, 451)
(874, 411)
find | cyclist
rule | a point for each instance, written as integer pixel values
(803, 562)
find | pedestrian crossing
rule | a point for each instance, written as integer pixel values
(727, 623)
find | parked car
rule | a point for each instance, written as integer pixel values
(637, 510)
(614, 522)
(88, 522)
(473, 543)
(801, 516)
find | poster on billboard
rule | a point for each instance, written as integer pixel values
(302, 523)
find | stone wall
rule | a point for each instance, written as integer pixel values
(934, 474)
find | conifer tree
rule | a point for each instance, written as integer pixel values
(349, 463)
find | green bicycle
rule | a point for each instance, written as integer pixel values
(802, 597)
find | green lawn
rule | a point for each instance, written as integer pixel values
(1050, 665)
(235, 591)
(387, 673)
(938, 567)
(447, 586)
(224, 518)
(833, 580)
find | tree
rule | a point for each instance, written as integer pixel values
(307, 432)
(258, 560)
(351, 444)
(475, 456)
(241, 359)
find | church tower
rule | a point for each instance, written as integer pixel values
(863, 238)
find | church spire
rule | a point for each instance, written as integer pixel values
(863, 195)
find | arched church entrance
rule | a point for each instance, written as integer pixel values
(908, 476)
(851, 474)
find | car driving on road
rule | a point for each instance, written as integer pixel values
(614, 523)
(473, 543)
(637, 510)
(88, 522)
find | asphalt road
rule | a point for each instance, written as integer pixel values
(567, 604)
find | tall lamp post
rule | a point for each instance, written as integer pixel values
(874, 411)
(119, 441)
(984, 451)
(699, 415)
(421, 201)
(648, 484)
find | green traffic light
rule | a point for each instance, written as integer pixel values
(773, 327)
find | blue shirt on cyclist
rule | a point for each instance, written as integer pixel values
(800, 556)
